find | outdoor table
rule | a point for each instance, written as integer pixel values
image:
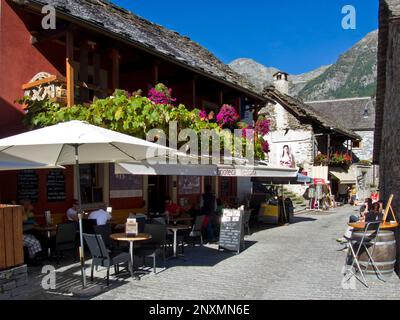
(173, 220)
(175, 230)
(384, 226)
(48, 230)
(123, 237)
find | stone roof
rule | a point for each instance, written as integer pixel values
(106, 16)
(394, 7)
(356, 114)
(388, 10)
(304, 111)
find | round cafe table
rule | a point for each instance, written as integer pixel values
(384, 226)
(122, 237)
(48, 230)
(175, 230)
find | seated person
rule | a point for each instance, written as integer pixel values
(33, 245)
(72, 213)
(375, 214)
(101, 216)
(172, 209)
(28, 217)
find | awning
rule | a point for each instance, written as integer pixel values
(257, 170)
(343, 176)
(298, 179)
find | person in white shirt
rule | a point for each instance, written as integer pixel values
(101, 216)
(72, 213)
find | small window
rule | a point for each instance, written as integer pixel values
(357, 144)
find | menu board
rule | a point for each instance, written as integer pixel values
(56, 186)
(27, 186)
(125, 185)
(189, 185)
(231, 236)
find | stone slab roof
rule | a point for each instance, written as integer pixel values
(106, 16)
(304, 111)
(356, 114)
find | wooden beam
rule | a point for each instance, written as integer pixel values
(329, 147)
(155, 72)
(221, 97)
(70, 69)
(84, 70)
(37, 83)
(48, 35)
(96, 72)
(115, 58)
(194, 91)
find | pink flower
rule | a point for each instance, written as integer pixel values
(263, 127)
(159, 96)
(265, 147)
(227, 115)
(203, 114)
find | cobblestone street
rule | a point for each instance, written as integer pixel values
(300, 261)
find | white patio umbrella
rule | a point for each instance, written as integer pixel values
(77, 142)
(8, 163)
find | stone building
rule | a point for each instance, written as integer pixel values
(386, 150)
(358, 115)
(303, 130)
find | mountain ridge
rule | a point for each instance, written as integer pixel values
(353, 75)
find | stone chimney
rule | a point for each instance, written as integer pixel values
(281, 82)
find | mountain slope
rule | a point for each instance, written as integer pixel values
(255, 72)
(353, 75)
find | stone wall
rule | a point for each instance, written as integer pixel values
(367, 147)
(390, 151)
(12, 281)
(299, 142)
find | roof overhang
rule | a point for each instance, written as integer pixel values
(223, 170)
(343, 176)
(37, 7)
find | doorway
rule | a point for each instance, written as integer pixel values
(158, 191)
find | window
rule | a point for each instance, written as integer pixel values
(357, 144)
(91, 176)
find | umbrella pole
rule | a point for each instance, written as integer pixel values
(78, 191)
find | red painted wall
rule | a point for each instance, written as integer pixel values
(8, 191)
(19, 62)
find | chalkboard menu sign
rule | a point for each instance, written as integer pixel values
(56, 186)
(28, 186)
(189, 185)
(232, 232)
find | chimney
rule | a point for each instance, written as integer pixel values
(281, 82)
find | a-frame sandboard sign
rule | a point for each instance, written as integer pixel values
(389, 209)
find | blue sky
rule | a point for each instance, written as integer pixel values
(293, 35)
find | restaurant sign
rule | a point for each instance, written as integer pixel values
(237, 172)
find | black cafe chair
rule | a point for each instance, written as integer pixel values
(101, 257)
(65, 240)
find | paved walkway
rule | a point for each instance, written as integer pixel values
(300, 261)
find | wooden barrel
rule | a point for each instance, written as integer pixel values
(383, 252)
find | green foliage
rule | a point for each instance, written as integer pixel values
(134, 115)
